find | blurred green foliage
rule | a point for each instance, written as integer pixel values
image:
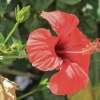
(88, 12)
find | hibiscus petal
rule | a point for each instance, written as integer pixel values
(41, 50)
(82, 60)
(70, 79)
(61, 22)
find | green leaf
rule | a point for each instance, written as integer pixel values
(34, 23)
(1, 38)
(11, 6)
(66, 8)
(50, 96)
(38, 95)
(5, 27)
(95, 69)
(3, 6)
(91, 8)
(24, 2)
(98, 9)
(97, 92)
(41, 4)
(20, 64)
(95, 6)
(70, 2)
(88, 26)
(85, 94)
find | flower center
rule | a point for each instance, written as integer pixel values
(89, 49)
(60, 51)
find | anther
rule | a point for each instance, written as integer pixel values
(92, 47)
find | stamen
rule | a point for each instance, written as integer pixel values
(92, 47)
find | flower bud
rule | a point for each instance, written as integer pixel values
(23, 14)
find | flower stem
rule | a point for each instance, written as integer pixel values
(19, 56)
(65, 97)
(9, 35)
(31, 92)
(27, 94)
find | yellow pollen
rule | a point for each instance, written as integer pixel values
(92, 47)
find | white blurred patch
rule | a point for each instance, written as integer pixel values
(11, 14)
(1, 58)
(30, 98)
(87, 7)
(22, 82)
(8, 1)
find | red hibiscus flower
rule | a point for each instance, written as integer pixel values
(64, 52)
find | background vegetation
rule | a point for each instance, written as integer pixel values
(16, 67)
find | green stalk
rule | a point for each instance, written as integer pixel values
(31, 92)
(12, 31)
(27, 94)
(20, 56)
